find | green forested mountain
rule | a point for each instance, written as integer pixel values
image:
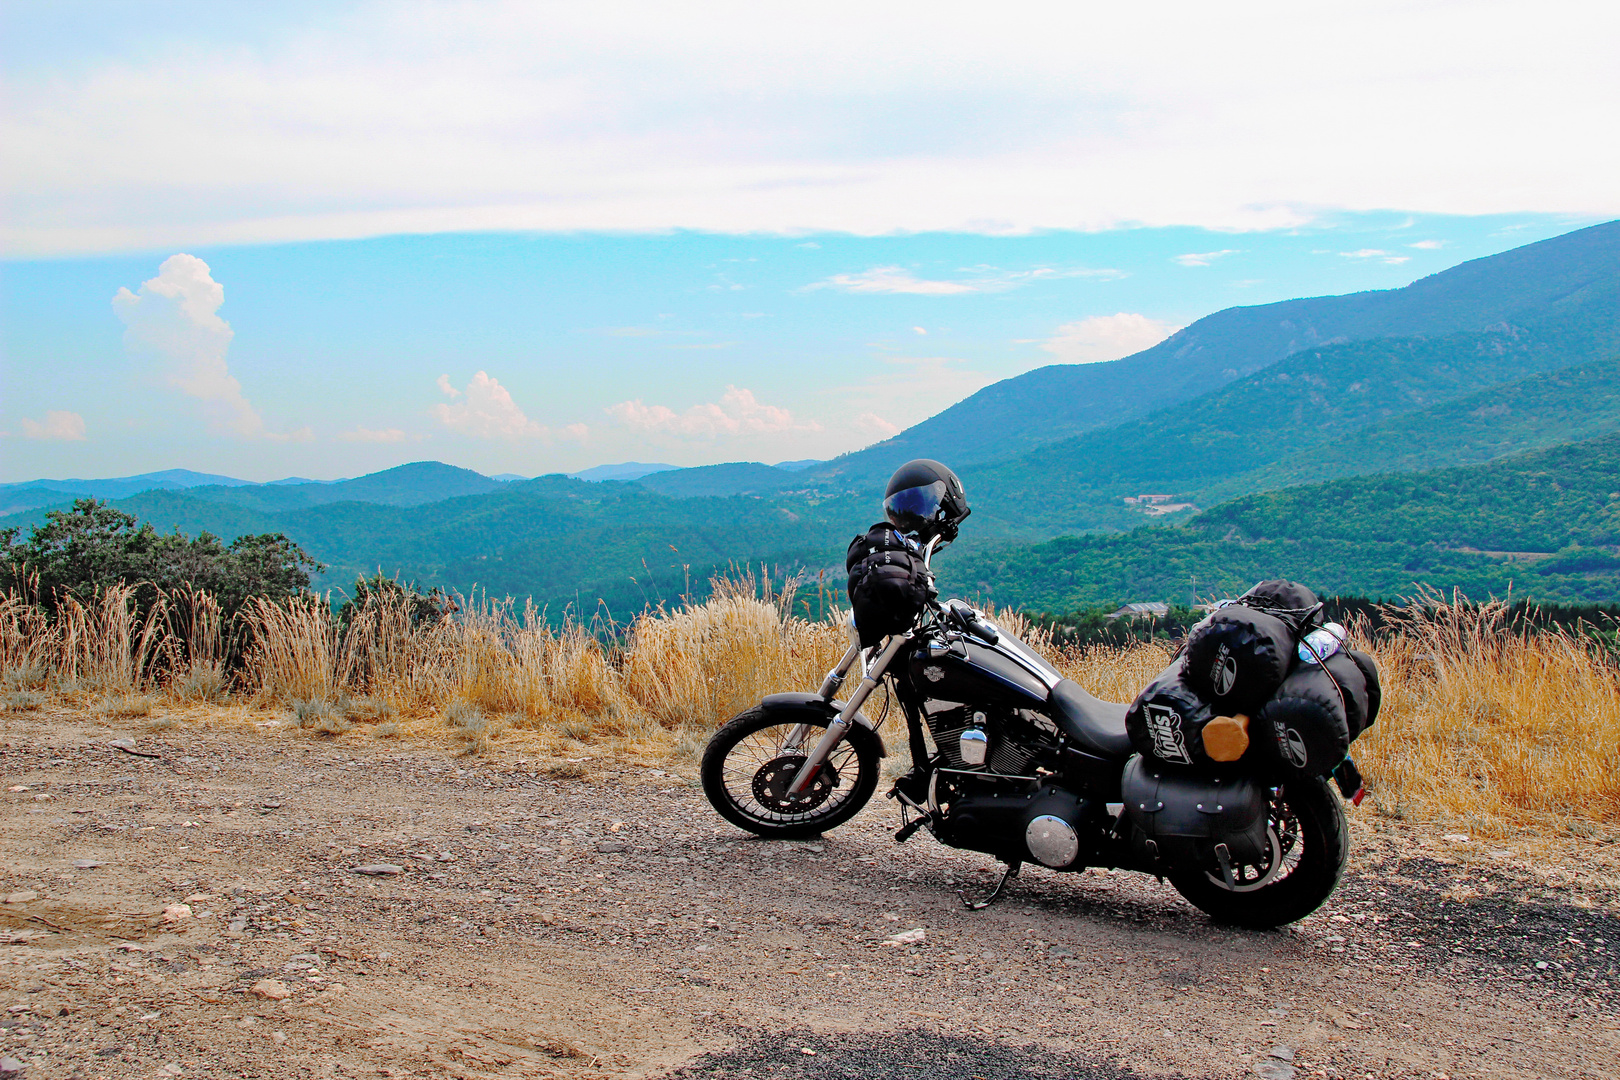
(1565, 292)
(561, 541)
(1228, 442)
(1545, 522)
(1569, 404)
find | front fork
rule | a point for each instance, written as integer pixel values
(836, 730)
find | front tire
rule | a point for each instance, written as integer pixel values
(750, 762)
(1310, 845)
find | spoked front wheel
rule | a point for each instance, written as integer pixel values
(751, 764)
(1308, 842)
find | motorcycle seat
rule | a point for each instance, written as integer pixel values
(1096, 725)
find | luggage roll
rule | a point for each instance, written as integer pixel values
(1375, 692)
(1167, 719)
(1305, 728)
(1238, 657)
(1279, 594)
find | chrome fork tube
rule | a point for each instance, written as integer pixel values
(835, 730)
(835, 677)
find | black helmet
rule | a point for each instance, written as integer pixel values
(925, 498)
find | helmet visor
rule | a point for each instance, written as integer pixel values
(910, 509)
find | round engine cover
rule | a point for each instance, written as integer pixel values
(1052, 841)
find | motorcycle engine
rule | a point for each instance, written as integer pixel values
(1009, 742)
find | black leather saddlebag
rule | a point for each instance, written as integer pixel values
(888, 583)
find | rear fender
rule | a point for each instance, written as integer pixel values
(786, 705)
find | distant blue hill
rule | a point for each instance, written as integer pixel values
(624, 470)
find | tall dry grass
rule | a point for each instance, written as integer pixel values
(1484, 725)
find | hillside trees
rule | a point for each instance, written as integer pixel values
(78, 553)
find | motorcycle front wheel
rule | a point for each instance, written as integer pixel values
(749, 765)
(1309, 842)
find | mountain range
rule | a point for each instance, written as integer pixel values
(1499, 377)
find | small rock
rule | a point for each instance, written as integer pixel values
(236, 926)
(10, 1066)
(548, 918)
(87, 864)
(270, 990)
(907, 937)
(21, 896)
(1274, 1070)
(18, 787)
(176, 912)
(1542, 965)
(610, 847)
(173, 1068)
(381, 869)
(278, 1036)
(1281, 1052)
(1455, 838)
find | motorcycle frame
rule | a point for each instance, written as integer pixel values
(886, 651)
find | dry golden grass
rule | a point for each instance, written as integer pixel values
(1484, 729)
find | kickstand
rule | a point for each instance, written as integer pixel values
(995, 894)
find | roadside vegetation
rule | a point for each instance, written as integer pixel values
(1494, 721)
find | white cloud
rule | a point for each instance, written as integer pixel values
(984, 279)
(1428, 245)
(737, 412)
(1202, 258)
(490, 413)
(369, 435)
(870, 423)
(58, 424)
(894, 279)
(175, 318)
(1376, 253)
(1106, 337)
(919, 330)
(432, 116)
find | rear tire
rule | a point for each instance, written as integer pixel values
(1313, 843)
(746, 763)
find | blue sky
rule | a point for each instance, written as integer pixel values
(528, 238)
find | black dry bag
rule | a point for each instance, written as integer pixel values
(1166, 721)
(888, 583)
(1237, 657)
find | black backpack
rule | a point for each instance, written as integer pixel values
(888, 583)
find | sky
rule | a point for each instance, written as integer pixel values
(324, 239)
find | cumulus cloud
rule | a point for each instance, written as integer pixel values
(58, 424)
(1428, 245)
(1106, 337)
(369, 435)
(738, 412)
(485, 410)
(1376, 253)
(1202, 258)
(174, 318)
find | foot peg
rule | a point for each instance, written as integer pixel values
(995, 894)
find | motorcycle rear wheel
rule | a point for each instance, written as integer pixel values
(1310, 845)
(749, 763)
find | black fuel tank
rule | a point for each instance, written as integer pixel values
(965, 669)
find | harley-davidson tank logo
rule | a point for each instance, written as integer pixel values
(1223, 672)
(934, 672)
(1292, 745)
(1164, 728)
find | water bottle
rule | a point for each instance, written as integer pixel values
(1321, 643)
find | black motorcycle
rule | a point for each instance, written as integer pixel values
(1016, 761)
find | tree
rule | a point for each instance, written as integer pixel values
(82, 551)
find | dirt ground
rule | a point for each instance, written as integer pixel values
(203, 912)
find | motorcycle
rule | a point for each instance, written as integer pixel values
(1016, 761)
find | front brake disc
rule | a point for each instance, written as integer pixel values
(773, 779)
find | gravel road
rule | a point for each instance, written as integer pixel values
(202, 913)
